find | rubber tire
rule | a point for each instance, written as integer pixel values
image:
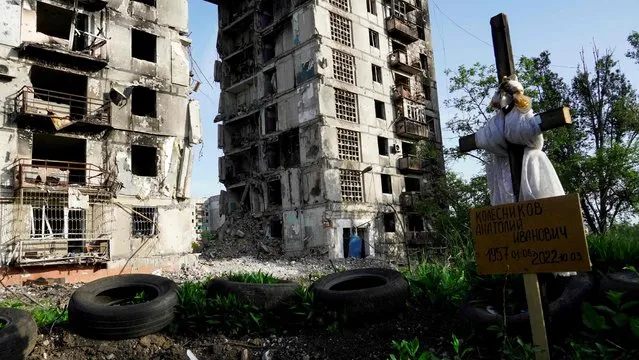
(264, 296)
(18, 336)
(385, 299)
(576, 289)
(95, 319)
(626, 281)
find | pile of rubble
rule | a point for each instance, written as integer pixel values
(242, 234)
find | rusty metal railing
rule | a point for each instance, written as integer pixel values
(61, 106)
(61, 251)
(37, 173)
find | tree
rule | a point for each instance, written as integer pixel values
(596, 157)
(633, 53)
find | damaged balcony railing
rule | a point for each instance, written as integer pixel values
(401, 29)
(400, 60)
(29, 173)
(62, 109)
(54, 251)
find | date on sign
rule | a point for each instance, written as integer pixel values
(501, 254)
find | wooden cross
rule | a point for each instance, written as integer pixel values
(549, 120)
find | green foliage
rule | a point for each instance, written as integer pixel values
(2, 324)
(441, 283)
(409, 350)
(44, 316)
(516, 348)
(633, 40)
(618, 247)
(251, 277)
(196, 246)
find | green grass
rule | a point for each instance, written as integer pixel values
(44, 316)
(439, 282)
(618, 248)
(251, 277)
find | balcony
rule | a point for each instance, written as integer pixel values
(53, 174)
(411, 164)
(409, 199)
(33, 105)
(398, 59)
(59, 251)
(412, 129)
(418, 237)
(401, 29)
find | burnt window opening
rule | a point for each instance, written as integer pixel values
(147, 2)
(270, 82)
(274, 192)
(380, 110)
(143, 102)
(268, 48)
(272, 155)
(68, 91)
(415, 223)
(275, 229)
(144, 160)
(290, 149)
(423, 62)
(426, 89)
(412, 184)
(53, 20)
(421, 33)
(387, 184)
(63, 158)
(143, 221)
(377, 73)
(409, 148)
(143, 45)
(382, 145)
(346, 239)
(389, 222)
(270, 119)
(236, 202)
(401, 80)
(397, 46)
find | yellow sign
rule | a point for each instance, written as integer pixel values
(545, 235)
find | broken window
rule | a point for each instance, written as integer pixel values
(290, 148)
(268, 48)
(53, 20)
(275, 229)
(59, 93)
(409, 148)
(373, 38)
(147, 2)
(348, 144)
(144, 160)
(345, 105)
(401, 80)
(426, 89)
(61, 160)
(343, 67)
(274, 192)
(387, 185)
(143, 221)
(143, 45)
(423, 62)
(270, 82)
(412, 184)
(272, 155)
(400, 9)
(377, 73)
(371, 7)
(397, 46)
(341, 29)
(421, 33)
(342, 4)
(351, 185)
(270, 119)
(415, 222)
(382, 145)
(380, 110)
(143, 102)
(389, 222)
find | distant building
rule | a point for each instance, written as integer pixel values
(206, 215)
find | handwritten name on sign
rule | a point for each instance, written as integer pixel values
(545, 235)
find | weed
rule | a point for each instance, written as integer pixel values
(196, 247)
(618, 246)
(251, 277)
(409, 350)
(44, 316)
(460, 351)
(440, 283)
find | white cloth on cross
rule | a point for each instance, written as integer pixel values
(538, 176)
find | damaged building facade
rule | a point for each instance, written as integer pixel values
(323, 108)
(96, 133)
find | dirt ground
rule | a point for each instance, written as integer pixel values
(368, 341)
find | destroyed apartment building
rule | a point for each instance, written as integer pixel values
(323, 108)
(96, 134)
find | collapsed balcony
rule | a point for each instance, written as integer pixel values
(53, 174)
(399, 60)
(401, 29)
(34, 105)
(52, 251)
(411, 164)
(238, 167)
(241, 133)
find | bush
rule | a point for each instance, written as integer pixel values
(441, 283)
(251, 277)
(615, 249)
(45, 316)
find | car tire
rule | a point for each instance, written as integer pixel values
(363, 292)
(264, 296)
(18, 335)
(94, 310)
(626, 281)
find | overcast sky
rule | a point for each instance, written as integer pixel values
(461, 35)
